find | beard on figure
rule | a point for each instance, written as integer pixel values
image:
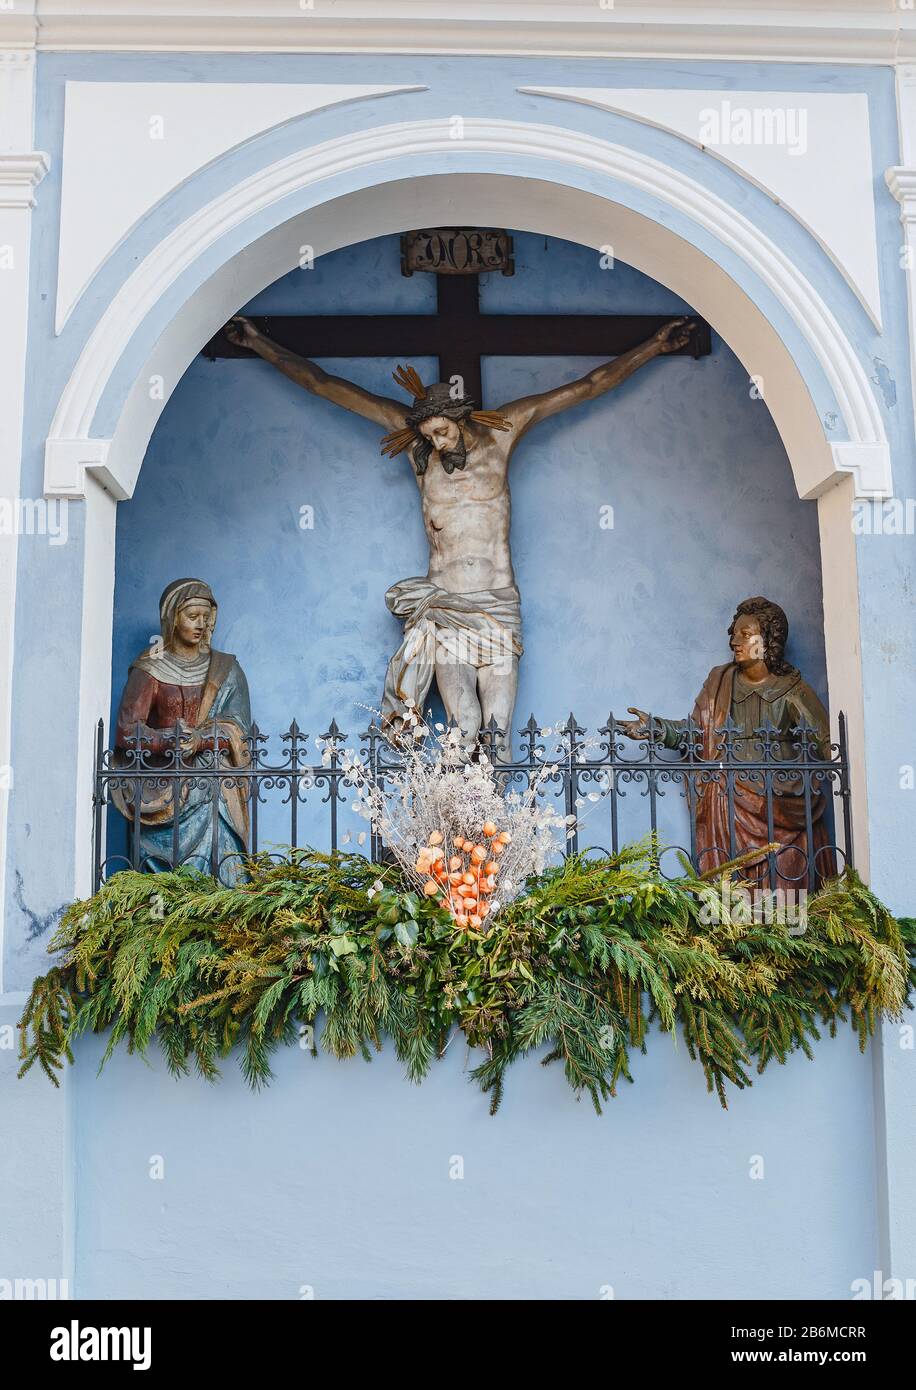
(454, 458)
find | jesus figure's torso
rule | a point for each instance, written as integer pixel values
(467, 516)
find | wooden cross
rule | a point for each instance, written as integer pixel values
(459, 334)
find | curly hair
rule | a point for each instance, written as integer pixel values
(774, 629)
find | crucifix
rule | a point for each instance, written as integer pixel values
(463, 618)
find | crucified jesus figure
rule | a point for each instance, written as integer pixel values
(463, 619)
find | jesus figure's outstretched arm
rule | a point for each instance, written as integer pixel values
(308, 374)
(528, 410)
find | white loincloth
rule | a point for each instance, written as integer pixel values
(477, 629)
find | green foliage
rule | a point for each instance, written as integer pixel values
(593, 956)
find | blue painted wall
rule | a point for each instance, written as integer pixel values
(337, 1177)
(704, 510)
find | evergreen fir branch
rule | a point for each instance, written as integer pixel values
(593, 954)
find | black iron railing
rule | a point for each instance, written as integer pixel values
(628, 784)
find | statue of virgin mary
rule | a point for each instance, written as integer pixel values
(182, 683)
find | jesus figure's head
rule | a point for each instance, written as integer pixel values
(445, 437)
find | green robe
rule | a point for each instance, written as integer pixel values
(784, 702)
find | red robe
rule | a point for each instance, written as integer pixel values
(151, 707)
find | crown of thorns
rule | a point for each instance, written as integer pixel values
(430, 402)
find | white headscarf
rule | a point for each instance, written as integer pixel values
(178, 595)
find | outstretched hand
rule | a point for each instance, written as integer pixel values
(673, 336)
(635, 728)
(241, 331)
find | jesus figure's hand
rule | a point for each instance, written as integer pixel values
(674, 335)
(241, 331)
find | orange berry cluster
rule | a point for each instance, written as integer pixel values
(463, 882)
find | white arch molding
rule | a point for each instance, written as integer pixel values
(103, 470)
(864, 451)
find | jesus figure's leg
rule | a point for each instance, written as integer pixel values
(498, 685)
(457, 682)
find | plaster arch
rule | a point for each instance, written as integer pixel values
(533, 178)
(551, 198)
